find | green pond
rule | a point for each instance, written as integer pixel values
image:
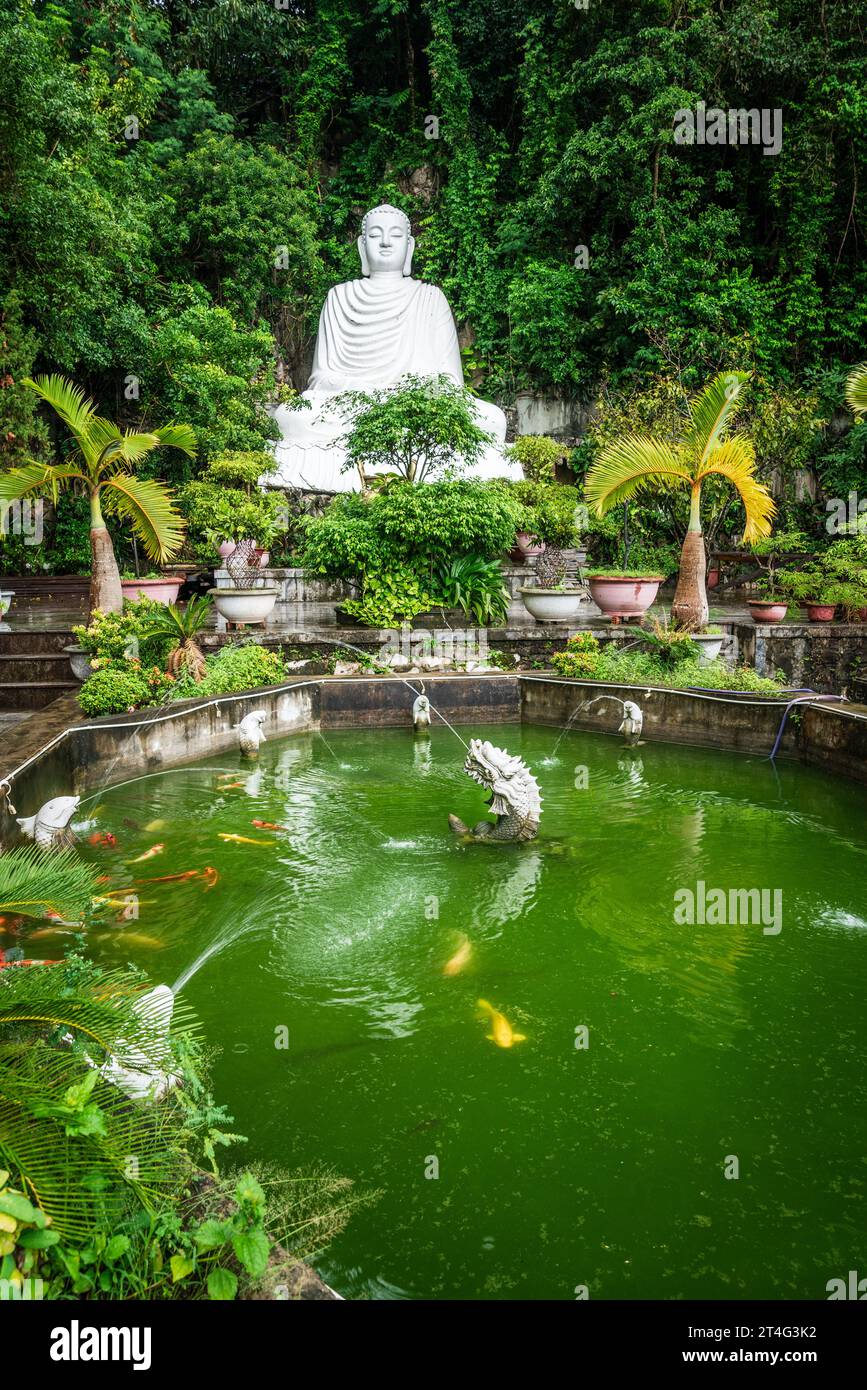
(558, 1165)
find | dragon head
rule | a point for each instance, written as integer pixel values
(512, 785)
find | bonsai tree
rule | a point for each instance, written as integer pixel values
(856, 390)
(538, 455)
(770, 550)
(227, 504)
(102, 462)
(418, 429)
(707, 448)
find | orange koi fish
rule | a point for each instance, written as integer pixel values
(230, 786)
(148, 854)
(243, 839)
(210, 877)
(103, 838)
(459, 959)
(268, 825)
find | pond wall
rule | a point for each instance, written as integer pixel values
(56, 751)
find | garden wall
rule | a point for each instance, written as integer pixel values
(816, 656)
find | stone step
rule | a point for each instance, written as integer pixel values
(37, 640)
(25, 667)
(34, 694)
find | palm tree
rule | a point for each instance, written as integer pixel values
(102, 462)
(184, 626)
(635, 462)
(856, 389)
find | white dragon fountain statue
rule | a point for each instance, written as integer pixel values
(514, 800)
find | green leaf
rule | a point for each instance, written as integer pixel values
(212, 1233)
(252, 1249)
(14, 1204)
(117, 1246)
(222, 1284)
(38, 1240)
(181, 1267)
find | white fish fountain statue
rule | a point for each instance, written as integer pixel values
(633, 722)
(139, 1075)
(49, 827)
(421, 715)
(250, 733)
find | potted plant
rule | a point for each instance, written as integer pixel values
(548, 515)
(162, 588)
(551, 599)
(103, 463)
(623, 596)
(709, 642)
(79, 660)
(243, 602)
(813, 589)
(772, 607)
(226, 506)
(706, 448)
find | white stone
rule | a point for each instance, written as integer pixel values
(372, 332)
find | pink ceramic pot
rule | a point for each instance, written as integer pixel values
(526, 547)
(264, 557)
(762, 611)
(225, 549)
(163, 590)
(626, 597)
(821, 612)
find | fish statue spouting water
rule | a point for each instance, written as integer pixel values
(139, 1075)
(50, 826)
(421, 715)
(514, 800)
(633, 722)
(250, 733)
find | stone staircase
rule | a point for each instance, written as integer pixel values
(34, 670)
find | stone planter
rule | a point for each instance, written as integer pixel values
(767, 610)
(622, 597)
(6, 597)
(241, 606)
(79, 661)
(551, 605)
(820, 612)
(162, 590)
(709, 645)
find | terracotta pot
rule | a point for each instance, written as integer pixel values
(626, 597)
(263, 557)
(820, 612)
(526, 547)
(767, 611)
(712, 578)
(162, 590)
(860, 615)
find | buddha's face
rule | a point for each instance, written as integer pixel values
(386, 244)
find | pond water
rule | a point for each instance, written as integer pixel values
(558, 1165)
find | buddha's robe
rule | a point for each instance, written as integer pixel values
(372, 332)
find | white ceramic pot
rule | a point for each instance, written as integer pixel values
(709, 645)
(551, 605)
(244, 605)
(80, 662)
(6, 597)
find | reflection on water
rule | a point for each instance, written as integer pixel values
(601, 1165)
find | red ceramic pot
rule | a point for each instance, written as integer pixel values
(820, 612)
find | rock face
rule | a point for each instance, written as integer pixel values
(372, 332)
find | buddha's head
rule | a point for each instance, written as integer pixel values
(386, 243)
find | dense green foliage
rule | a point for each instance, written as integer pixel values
(584, 658)
(184, 183)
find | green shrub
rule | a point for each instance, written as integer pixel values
(549, 510)
(585, 659)
(117, 688)
(237, 668)
(537, 454)
(119, 636)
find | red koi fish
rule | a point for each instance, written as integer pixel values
(268, 825)
(104, 838)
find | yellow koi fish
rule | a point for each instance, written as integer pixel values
(501, 1029)
(154, 826)
(459, 959)
(148, 854)
(243, 839)
(134, 938)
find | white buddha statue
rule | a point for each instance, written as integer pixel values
(372, 332)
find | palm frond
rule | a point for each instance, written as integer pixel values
(712, 411)
(175, 436)
(68, 400)
(856, 389)
(117, 446)
(628, 465)
(147, 505)
(33, 882)
(16, 483)
(81, 1175)
(735, 460)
